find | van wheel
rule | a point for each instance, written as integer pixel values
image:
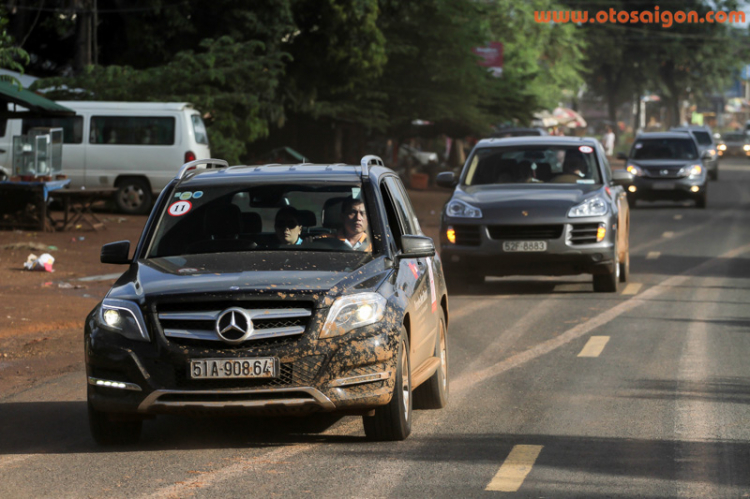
(433, 393)
(133, 196)
(392, 422)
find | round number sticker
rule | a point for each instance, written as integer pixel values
(586, 149)
(185, 196)
(179, 208)
(197, 194)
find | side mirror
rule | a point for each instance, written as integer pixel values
(706, 155)
(116, 253)
(417, 246)
(622, 177)
(621, 155)
(446, 179)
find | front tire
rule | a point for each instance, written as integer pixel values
(392, 422)
(108, 432)
(607, 283)
(701, 201)
(433, 393)
(133, 196)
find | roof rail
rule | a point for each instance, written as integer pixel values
(218, 163)
(370, 160)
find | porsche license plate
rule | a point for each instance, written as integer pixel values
(258, 367)
(523, 246)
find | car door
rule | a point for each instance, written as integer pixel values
(417, 274)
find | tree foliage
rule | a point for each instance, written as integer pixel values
(11, 57)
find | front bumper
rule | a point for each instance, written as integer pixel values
(565, 255)
(669, 188)
(351, 373)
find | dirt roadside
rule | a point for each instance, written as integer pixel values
(42, 313)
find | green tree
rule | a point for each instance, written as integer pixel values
(11, 56)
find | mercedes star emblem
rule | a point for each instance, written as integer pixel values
(234, 326)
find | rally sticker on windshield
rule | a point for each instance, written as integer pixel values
(179, 208)
(586, 149)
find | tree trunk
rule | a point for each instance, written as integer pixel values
(83, 55)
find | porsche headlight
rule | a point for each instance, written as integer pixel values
(746, 147)
(592, 207)
(353, 311)
(690, 171)
(635, 170)
(123, 317)
(459, 209)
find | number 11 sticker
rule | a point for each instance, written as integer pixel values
(179, 208)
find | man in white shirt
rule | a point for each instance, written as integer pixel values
(609, 142)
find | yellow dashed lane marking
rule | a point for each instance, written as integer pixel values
(632, 288)
(668, 234)
(594, 346)
(653, 255)
(678, 217)
(517, 465)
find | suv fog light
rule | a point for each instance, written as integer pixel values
(601, 232)
(695, 188)
(120, 385)
(632, 188)
(451, 234)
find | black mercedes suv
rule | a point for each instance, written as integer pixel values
(272, 290)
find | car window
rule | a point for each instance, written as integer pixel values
(703, 138)
(132, 130)
(664, 149)
(391, 213)
(72, 127)
(403, 205)
(574, 164)
(735, 136)
(199, 129)
(266, 217)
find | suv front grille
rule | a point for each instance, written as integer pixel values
(273, 323)
(525, 232)
(583, 233)
(467, 235)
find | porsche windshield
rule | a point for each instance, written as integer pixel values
(574, 164)
(263, 217)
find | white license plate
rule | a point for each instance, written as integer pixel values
(663, 186)
(522, 246)
(259, 367)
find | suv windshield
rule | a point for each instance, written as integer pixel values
(703, 138)
(533, 164)
(263, 217)
(664, 149)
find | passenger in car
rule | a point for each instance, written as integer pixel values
(354, 230)
(288, 226)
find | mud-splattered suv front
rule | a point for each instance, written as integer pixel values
(272, 290)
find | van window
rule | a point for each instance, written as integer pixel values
(201, 137)
(72, 127)
(132, 130)
(3, 126)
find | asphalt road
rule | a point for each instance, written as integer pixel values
(555, 392)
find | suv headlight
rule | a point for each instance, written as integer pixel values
(690, 171)
(123, 317)
(459, 209)
(353, 311)
(635, 170)
(592, 207)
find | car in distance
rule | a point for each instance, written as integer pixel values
(667, 165)
(734, 144)
(706, 146)
(519, 132)
(272, 290)
(536, 206)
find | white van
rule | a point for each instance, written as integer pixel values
(137, 147)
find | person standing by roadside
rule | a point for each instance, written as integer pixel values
(608, 141)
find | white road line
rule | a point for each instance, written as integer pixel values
(514, 470)
(472, 307)
(653, 255)
(594, 346)
(667, 235)
(632, 288)
(678, 217)
(468, 380)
